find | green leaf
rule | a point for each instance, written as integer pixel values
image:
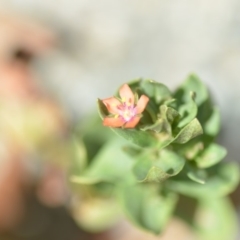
(155, 90)
(156, 167)
(162, 125)
(102, 109)
(132, 150)
(93, 134)
(215, 219)
(210, 156)
(190, 131)
(168, 116)
(172, 115)
(212, 125)
(165, 119)
(145, 207)
(95, 214)
(222, 180)
(191, 150)
(188, 111)
(79, 156)
(164, 136)
(197, 175)
(138, 137)
(194, 84)
(110, 165)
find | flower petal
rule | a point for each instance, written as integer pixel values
(126, 94)
(113, 122)
(132, 123)
(142, 103)
(111, 104)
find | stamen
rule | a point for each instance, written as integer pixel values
(127, 111)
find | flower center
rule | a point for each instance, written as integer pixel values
(127, 112)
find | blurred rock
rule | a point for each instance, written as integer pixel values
(52, 189)
(29, 119)
(12, 186)
(19, 34)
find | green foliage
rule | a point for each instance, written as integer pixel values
(158, 92)
(222, 222)
(170, 153)
(157, 166)
(110, 164)
(220, 180)
(146, 207)
(212, 154)
(191, 130)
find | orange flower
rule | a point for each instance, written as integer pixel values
(125, 112)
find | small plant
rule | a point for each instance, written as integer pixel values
(162, 162)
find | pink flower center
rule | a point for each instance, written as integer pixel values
(127, 112)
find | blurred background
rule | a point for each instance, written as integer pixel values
(56, 58)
